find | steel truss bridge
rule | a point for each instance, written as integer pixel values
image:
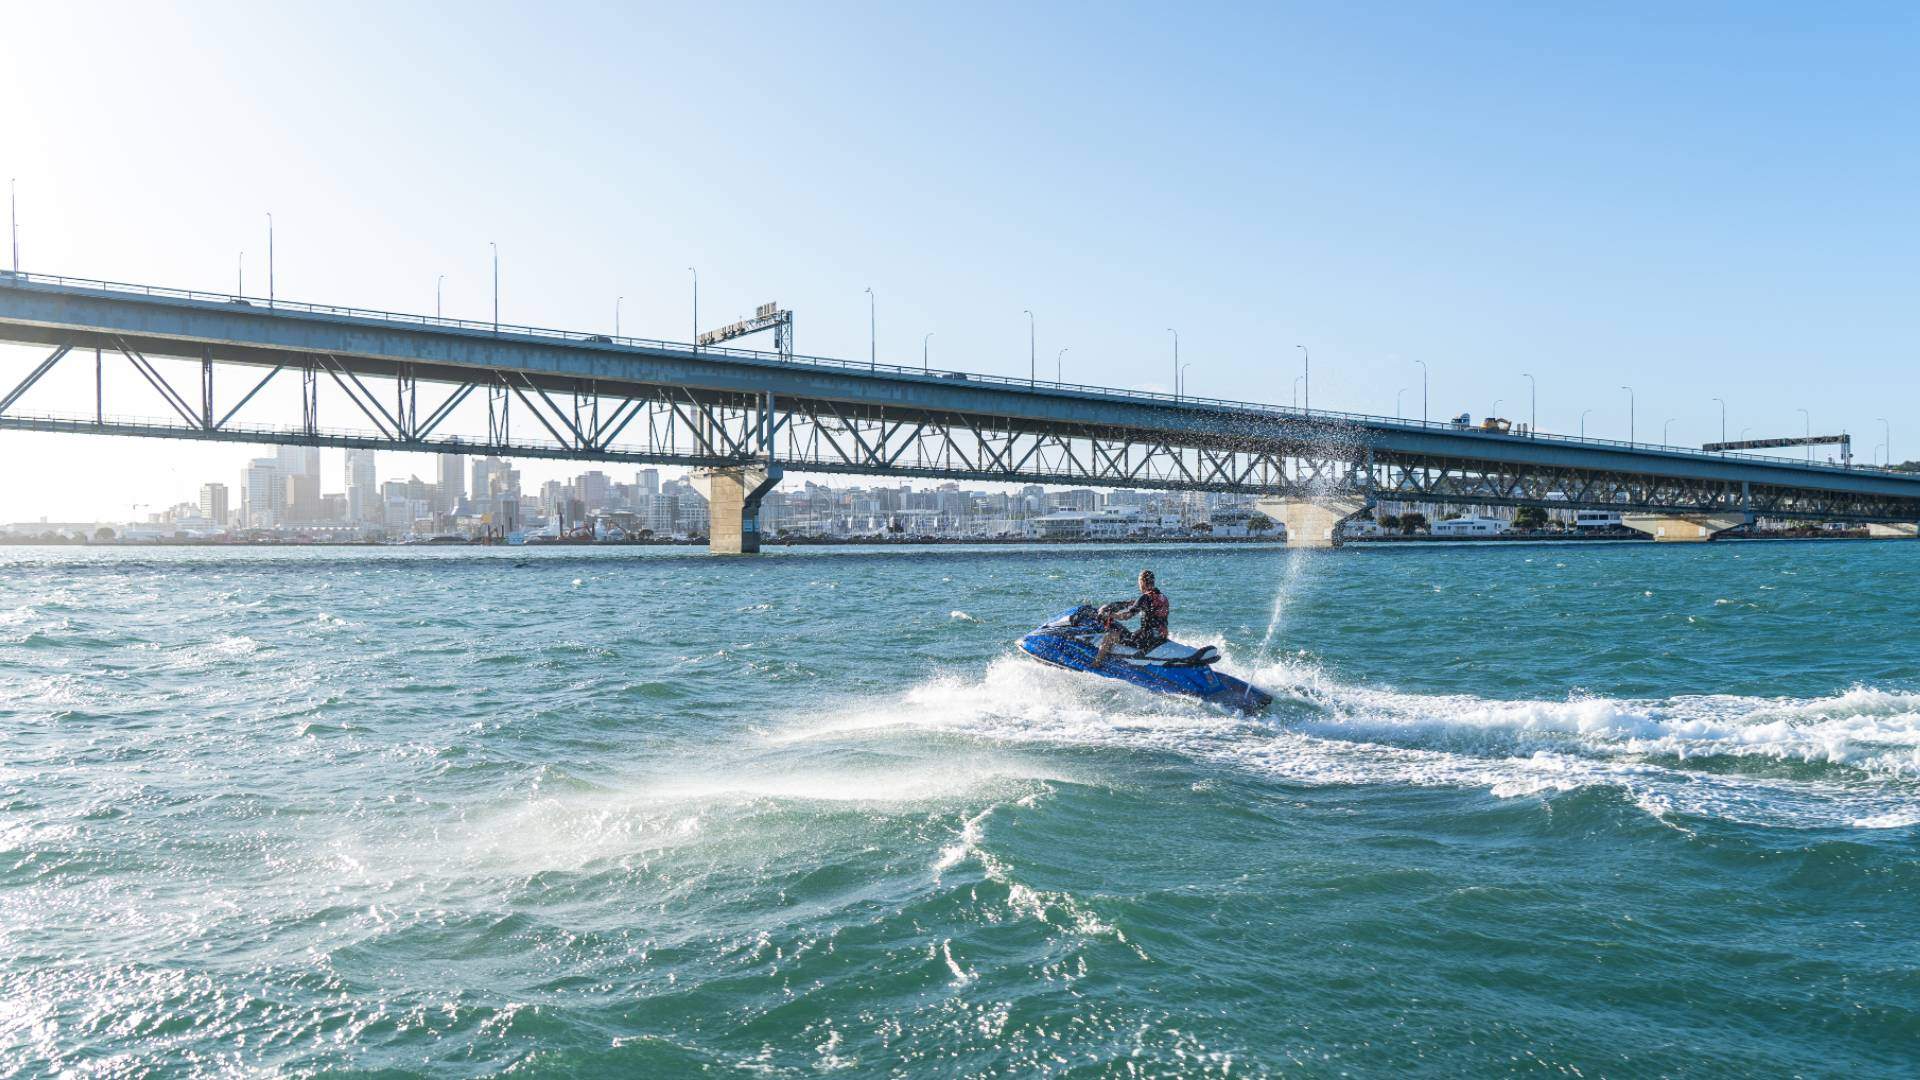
(208, 366)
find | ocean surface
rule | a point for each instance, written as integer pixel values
(1571, 810)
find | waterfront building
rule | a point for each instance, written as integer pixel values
(263, 493)
(213, 503)
(363, 496)
(452, 484)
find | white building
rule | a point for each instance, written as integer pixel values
(213, 504)
(1596, 519)
(363, 495)
(263, 493)
(1471, 525)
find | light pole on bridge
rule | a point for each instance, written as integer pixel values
(924, 338)
(1583, 422)
(1296, 390)
(873, 330)
(696, 308)
(1808, 417)
(1630, 412)
(269, 260)
(616, 314)
(1183, 375)
(1533, 404)
(1423, 390)
(1306, 375)
(1033, 367)
(13, 220)
(1060, 366)
(1176, 362)
(1398, 394)
(1665, 429)
(439, 285)
(240, 278)
(496, 286)
(1723, 418)
(1886, 429)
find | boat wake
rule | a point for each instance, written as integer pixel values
(1849, 759)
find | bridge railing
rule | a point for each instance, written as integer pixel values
(490, 328)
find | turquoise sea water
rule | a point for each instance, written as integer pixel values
(1578, 810)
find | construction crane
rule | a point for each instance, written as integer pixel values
(768, 316)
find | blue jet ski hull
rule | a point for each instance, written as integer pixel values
(1072, 641)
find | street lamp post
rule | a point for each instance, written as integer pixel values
(924, 338)
(1398, 394)
(1583, 422)
(1423, 390)
(1665, 429)
(269, 260)
(439, 286)
(496, 286)
(1886, 430)
(1496, 406)
(1630, 412)
(1059, 366)
(1176, 362)
(873, 330)
(1183, 375)
(1723, 419)
(240, 279)
(616, 314)
(696, 308)
(1296, 390)
(1533, 404)
(1808, 417)
(1306, 359)
(13, 220)
(1033, 369)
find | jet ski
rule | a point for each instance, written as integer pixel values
(1071, 640)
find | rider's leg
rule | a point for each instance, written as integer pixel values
(1106, 646)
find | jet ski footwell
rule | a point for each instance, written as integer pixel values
(1071, 640)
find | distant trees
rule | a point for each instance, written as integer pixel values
(1413, 521)
(1530, 518)
(1390, 523)
(103, 533)
(1259, 523)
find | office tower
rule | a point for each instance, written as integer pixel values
(263, 491)
(302, 497)
(300, 461)
(592, 487)
(213, 503)
(453, 482)
(648, 481)
(364, 505)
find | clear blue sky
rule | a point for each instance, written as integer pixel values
(1698, 200)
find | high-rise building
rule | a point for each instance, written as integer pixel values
(300, 461)
(453, 482)
(648, 481)
(263, 493)
(364, 505)
(493, 478)
(592, 487)
(302, 498)
(213, 503)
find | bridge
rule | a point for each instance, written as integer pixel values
(211, 366)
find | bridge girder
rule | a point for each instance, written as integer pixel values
(823, 427)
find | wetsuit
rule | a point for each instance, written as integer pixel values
(1153, 609)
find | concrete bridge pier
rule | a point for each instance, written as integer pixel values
(733, 505)
(1893, 530)
(1312, 522)
(1683, 528)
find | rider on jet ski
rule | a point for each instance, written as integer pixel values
(1153, 609)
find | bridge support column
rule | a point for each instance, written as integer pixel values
(1893, 530)
(733, 505)
(1682, 528)
(1312, 522)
